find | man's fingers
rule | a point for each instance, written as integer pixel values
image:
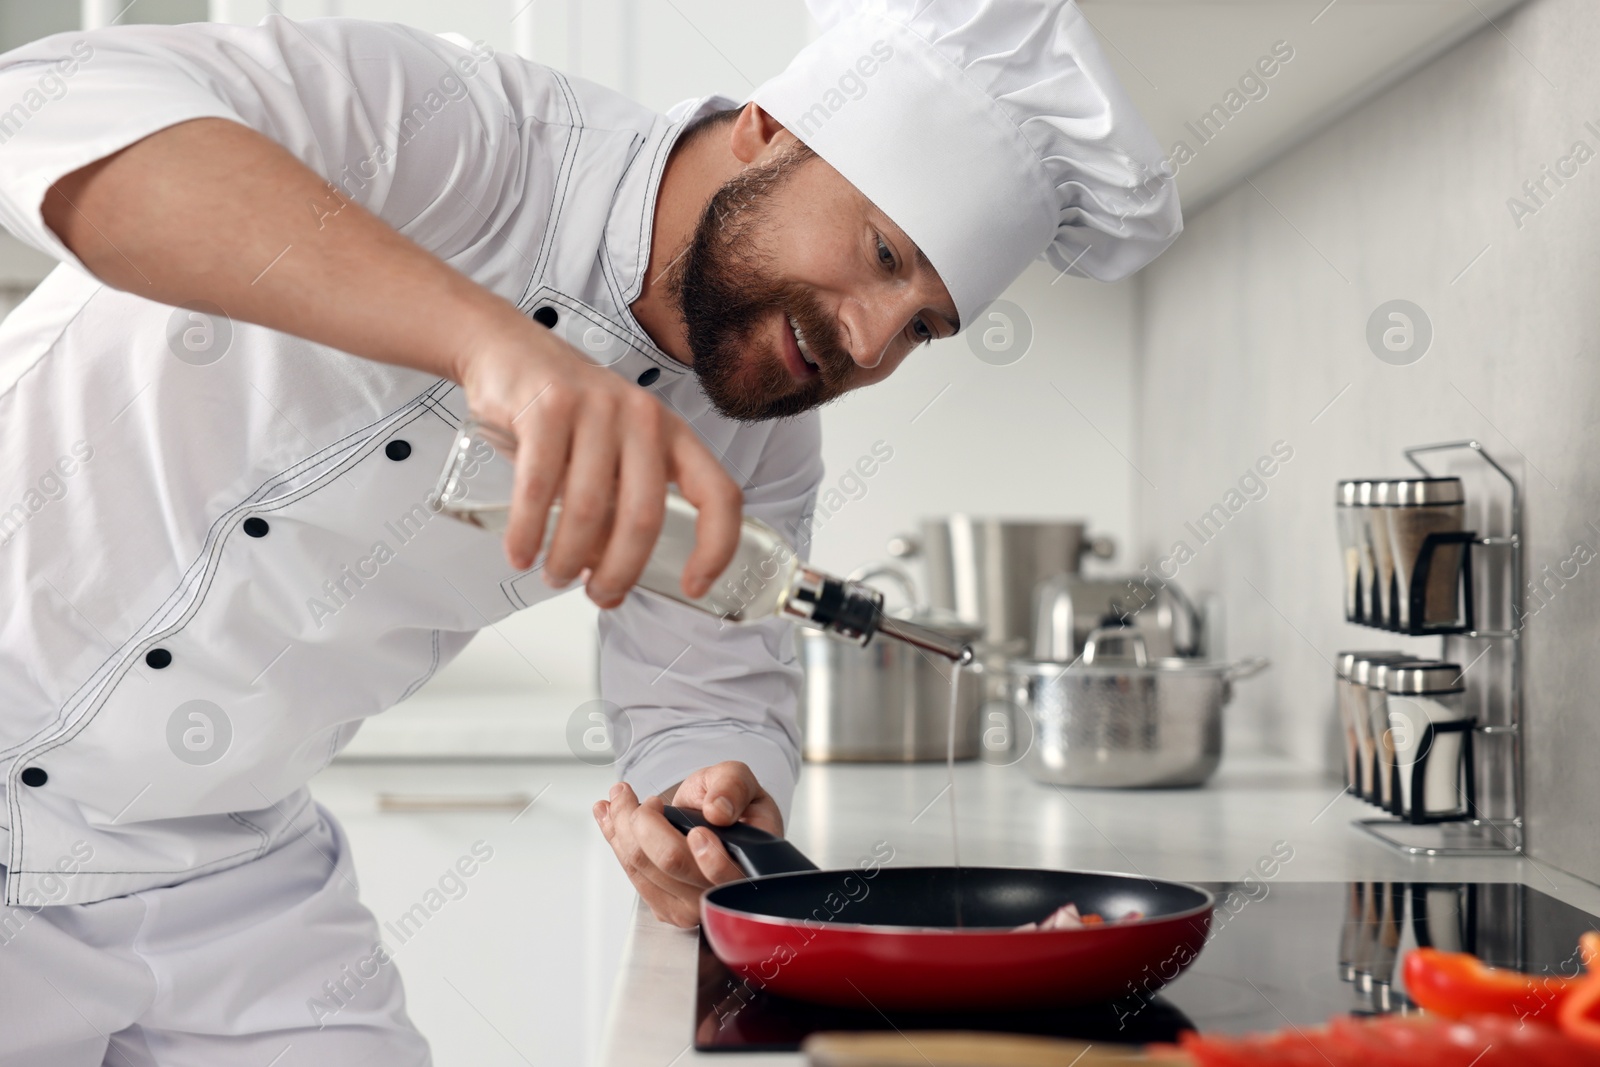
(715, 863)
(543, 434)
(671, 870)
(707, 486)
(621, 800)
(588, 493)
(641, 503)
(644, 853)
(669, 908)
(666, 846)
(729, 788)
(665, 906)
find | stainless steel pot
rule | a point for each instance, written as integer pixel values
(985, 570)
(887, 701)
(1121, 721)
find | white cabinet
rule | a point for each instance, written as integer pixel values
(514, 965)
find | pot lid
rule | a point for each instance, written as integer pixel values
(1120, 667)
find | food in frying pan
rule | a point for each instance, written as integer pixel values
(1067, 917)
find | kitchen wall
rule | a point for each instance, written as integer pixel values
(1038, 425)
(1254, 331)
(657, 51)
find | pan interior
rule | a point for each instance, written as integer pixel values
(952, 897)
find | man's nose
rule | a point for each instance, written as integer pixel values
(870, 328)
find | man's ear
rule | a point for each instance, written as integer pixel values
(756, 135)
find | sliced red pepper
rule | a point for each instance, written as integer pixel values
(1458, 984)
(1580, 1012)
(1396, 1041)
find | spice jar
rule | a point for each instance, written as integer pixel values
(1416, 508)
(1352, 529)
(1378, 496)
(1366, 601)
(1371, 719)
(1422, 695)
(1350, 699)
(1383, 754)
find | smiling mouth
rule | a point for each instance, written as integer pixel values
(800, 343)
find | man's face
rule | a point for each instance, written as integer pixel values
(796, 289)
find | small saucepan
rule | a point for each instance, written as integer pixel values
(1121, 719)
(941, 938)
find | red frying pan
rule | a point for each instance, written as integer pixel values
(940, 938)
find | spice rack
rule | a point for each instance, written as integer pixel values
(1490, 822)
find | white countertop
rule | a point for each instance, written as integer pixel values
(1006, 819)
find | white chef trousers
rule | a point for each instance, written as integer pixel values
(217, 971)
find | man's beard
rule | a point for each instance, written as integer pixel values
(726, 289)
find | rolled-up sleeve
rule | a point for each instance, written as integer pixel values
(698, 690)
(408, 125)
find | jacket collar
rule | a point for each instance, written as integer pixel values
(632, 221)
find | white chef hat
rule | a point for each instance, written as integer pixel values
(990, 131)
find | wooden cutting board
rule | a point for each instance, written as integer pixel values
(971, 1049)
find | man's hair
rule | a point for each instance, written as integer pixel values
(708, 122)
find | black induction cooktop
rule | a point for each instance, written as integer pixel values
(1295, 952)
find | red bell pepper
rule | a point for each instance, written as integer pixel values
(1457, 985)
(1394, 1041)
(1580, 1012)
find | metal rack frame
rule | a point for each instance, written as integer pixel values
(1476, 835)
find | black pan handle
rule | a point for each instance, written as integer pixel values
(756, 851)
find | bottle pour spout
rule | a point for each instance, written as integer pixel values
(926, 638)
(854, 611)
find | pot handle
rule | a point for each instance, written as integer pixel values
(1091, 644)
(1101, 547)
(895, 572)
(1053, 619)
(1248, 667)
(905, 546)
(755, 851)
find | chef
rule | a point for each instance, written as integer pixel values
(294, 258)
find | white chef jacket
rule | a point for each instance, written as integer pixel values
(169, 519)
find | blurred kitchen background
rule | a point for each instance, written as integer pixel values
(1383, 159)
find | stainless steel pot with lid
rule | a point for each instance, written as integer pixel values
(1118, 718)
(888, 701)
(985, 570)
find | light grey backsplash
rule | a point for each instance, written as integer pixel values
(1254, 332)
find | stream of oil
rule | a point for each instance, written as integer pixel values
(950, 781)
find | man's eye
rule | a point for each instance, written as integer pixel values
(885, 254)
(921, 329)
